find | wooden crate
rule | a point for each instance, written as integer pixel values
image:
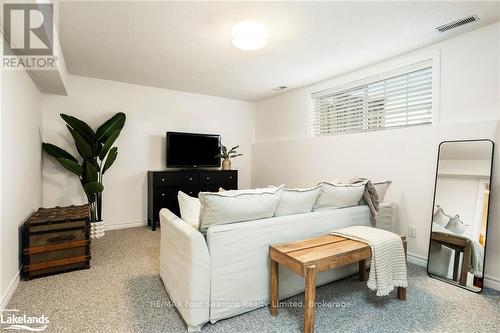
(56, 240)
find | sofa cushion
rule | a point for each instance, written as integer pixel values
(338, 195)
(237, 206)
(296, 201)
(189, 208)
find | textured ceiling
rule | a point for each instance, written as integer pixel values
(187, 45)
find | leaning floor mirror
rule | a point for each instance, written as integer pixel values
(460, 216)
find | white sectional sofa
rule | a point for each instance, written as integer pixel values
(228, 273)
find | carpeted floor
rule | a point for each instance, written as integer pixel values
(122, 292)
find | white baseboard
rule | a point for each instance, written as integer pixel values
(10, 291)
(124, 225)
(489, 281)
(492, 282)
(417, 259)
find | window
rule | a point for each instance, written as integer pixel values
(399, 100)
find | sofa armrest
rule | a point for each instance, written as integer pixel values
(185, 269)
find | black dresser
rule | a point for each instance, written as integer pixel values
(164, 185)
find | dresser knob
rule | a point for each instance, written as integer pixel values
(230, 177)
(190, 178)
(208, 178)
(163, 179)
(163, 194)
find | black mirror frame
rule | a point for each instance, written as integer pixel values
(487, 213)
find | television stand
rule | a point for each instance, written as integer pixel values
(163, 187)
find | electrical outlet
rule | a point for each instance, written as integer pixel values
(412, 231)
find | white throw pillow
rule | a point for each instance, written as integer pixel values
(237, 206)
(339, 195)
(381, 188)
(296, 201)
(440, 217)
(189, 208)
(456, 226)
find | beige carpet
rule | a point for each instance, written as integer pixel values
(114, 295)
(122, 292)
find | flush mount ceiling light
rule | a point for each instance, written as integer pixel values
(249, 35)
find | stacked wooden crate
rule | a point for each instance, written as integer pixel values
(56, 240)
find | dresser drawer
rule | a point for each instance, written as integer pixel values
(218, 178)
(170, 193)
(171, 179)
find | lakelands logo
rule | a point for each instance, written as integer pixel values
(14, 320)
(28, 41)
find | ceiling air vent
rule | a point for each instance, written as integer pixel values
(280, 88)
(458, 23)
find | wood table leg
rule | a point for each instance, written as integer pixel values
(466, 259)
(402, 293)
(362, 270)
(310, 295)
(456, 265)
(274, 288)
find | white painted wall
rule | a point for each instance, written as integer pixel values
(468, 104)
(150, 113)
(458, 196)
(479, 168)
(493, 232)
(21, 176)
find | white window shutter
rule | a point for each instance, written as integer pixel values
(401, 100)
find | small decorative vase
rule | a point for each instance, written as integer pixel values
(226, 164)
(96, 230)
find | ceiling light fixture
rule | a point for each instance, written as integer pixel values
(249, 35)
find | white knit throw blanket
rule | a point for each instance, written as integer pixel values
(388, 266)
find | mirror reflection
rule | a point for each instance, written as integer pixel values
(460, 219)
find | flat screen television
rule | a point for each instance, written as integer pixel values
(192, 150)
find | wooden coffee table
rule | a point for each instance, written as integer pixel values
(457, 244)
(310, 256)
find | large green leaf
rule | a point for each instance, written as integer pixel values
(81, 127)
(81, 144)
(109, 127)
(71, 165)
(90, 172)
(111, 158)
(57, 152)
(109, 142)
(93, 187)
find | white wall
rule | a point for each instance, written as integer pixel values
(469, 107)
(459, 196)
(21, 176)
(493, 232)
(479, 168)
(150, 113)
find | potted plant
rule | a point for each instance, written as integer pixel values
(97, 155)
(227, 155)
